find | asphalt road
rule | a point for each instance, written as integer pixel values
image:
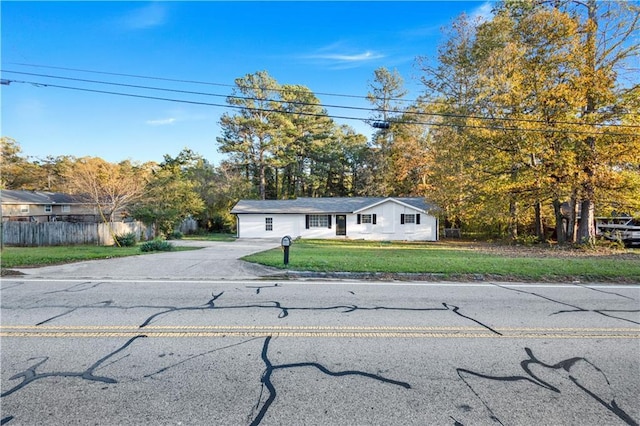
(219, 352)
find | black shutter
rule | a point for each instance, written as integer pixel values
(375, 218)
(329, 220)
(359, 219)
(401, 219)
(418, 219)
(306, 221)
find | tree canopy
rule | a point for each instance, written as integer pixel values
(527, 123)
(284, 142)
(535, 111)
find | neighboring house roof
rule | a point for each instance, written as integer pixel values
(323, 205)
(37, 197)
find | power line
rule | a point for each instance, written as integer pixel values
(209, 94)
(185, 101)
(333, 116)
(410, 101)
(301, 103)
(190, 92)
(175, 80)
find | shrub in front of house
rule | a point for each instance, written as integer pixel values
(156, 245)
(175, 235)
(125, 240)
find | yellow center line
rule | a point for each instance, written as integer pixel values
(316, 335)
(313, 327)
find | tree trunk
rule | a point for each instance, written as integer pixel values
(587, 227)
(538, 219)
(513, 220)
(275, 180)
(561, 235)
(572, 228)
(262, 185)
(299, 183)
(513, 208)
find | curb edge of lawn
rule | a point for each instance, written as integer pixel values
(434, 277)
(10, 273)
(406, 277)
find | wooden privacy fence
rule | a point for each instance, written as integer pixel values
(188, 226)
(30, 234)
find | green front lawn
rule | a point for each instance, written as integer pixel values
(16, 257)
(452, 260)
(445, 259)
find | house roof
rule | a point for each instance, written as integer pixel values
(323, 205)
(36, 197)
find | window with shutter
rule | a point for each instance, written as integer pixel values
(318, 221)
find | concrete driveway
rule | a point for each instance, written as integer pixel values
(215, 260)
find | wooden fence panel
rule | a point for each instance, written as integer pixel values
(188, 226)
(33, 234)
(106, 231)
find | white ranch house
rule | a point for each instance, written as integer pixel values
(367, 218)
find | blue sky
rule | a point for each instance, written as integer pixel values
(330, 47)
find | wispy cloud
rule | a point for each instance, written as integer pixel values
(176, 116)
(162, 121)
(420, 32)
(483, 12)
(149, 16)
(337, 56)
(359, 57)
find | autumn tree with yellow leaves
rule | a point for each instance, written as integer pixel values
(537, 104)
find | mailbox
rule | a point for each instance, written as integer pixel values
(286, 243)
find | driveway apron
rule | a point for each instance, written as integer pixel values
(215, 260)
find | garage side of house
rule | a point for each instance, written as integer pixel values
(368, 218)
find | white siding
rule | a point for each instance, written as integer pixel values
(253, 225)
(387, 227)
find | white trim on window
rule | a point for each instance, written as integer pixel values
(318, 221)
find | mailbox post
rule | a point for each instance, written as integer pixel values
(286, 243)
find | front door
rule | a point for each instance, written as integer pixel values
(341, 224)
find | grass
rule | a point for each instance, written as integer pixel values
(447, 260)
(444, 259)
(17, 257)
